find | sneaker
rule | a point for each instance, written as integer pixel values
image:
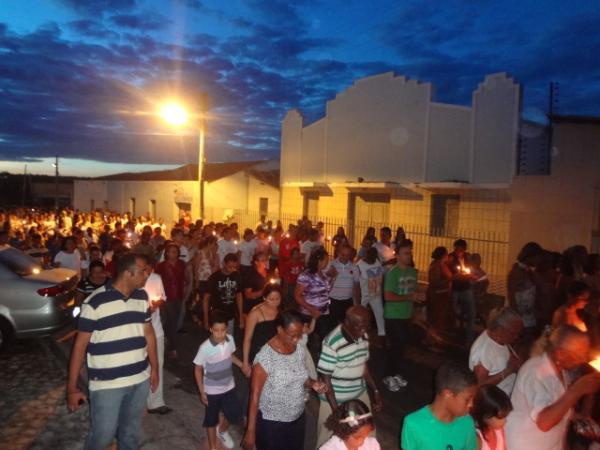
(391, 384)
(401, 382)
(225, 439)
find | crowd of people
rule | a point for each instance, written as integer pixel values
(305, 320)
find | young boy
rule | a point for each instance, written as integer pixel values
(446, 423)
(214, 377)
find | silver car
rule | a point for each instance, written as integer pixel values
(33, 301)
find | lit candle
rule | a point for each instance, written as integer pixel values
(214, 233)
(329, 238)
(235, 242)
(36, 271)
(596, 363)
(270, 238)
(287, 235)
(272, 281)
(467, 270)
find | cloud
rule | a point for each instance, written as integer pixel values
(92, 28)
(98, 7)
(142, 22)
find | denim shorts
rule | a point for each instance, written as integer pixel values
(227, 403)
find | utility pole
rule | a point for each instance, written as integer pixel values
(552, 100)
(55, 182)
(24, 193)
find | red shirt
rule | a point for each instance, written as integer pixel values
(173, 278)
(294, 269)
(285, 254)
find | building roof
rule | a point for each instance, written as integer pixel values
(189, 172)
(269, 177)
(592, 120)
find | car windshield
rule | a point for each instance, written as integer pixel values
(18, 262)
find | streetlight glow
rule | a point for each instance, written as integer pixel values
(174, 114)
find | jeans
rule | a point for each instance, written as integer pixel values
(117, 413)
(376, 305)
(464, 308)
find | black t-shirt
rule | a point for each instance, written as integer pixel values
(222, 290)
(458, 284)
(256, 282)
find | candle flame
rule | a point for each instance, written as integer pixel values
(595, 363)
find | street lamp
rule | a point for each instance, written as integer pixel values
(176, 115)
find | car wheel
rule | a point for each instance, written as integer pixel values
(6, 332)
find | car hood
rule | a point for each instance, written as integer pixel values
(56, 276)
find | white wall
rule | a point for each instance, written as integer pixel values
(449, 143)
(385, 128)
(376, 130)
(87, 190)
(495, 128)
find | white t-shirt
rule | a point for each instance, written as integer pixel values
(69, 260)
(156, 290)
(494, 357)
(306, 249)
(370, 277)
(224, 247)
(335, 443)
(343, 284)
(247, 250)
(537, 387)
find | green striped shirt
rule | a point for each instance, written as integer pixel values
(344, 359)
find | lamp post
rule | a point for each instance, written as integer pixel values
(176, 115)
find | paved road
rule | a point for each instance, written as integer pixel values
(33, 413)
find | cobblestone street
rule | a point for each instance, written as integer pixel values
(33, 413)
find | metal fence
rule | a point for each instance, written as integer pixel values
(492, 246)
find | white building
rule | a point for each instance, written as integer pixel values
(247, 186)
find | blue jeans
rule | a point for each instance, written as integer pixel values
(117, 413)
(464, 308)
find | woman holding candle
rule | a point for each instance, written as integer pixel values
(260, 325)
(312, 296)
(439, 297)
(172, 273)
(276, 417)
(255, 281)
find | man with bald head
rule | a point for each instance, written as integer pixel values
(544, 395)
(343, 367)
(491, 358)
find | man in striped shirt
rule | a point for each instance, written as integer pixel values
(115, 333)
(343, 367)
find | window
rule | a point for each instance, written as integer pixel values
(152, 209)
(263, 206)
(132, 206)
(444, 215)
(106, 205)
(311, 205)
(92, 205)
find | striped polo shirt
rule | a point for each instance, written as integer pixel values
(344, 359)
(116, 353)
(215, 359)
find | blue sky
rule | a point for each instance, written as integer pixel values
(82, 79)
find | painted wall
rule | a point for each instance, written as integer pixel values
(236, 192)
(386, 128)
(562, 209)
(448, 149)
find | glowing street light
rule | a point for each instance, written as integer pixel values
(175, 114)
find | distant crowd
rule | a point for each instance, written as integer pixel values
(295, 319)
